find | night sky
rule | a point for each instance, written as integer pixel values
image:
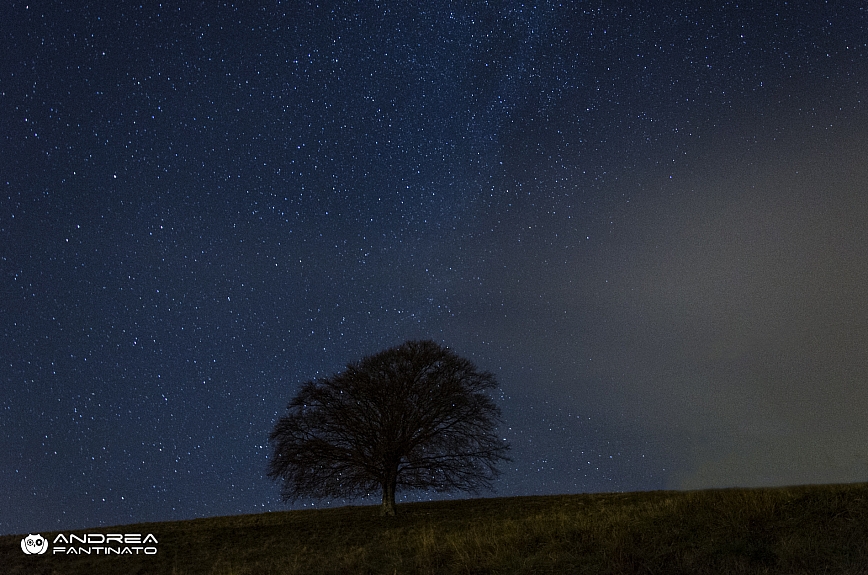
(648, 223)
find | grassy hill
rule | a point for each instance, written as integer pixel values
(807, 529)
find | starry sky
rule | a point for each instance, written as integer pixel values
(647, 222)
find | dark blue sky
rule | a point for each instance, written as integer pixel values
(649, 224)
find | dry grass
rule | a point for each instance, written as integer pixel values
(794, 530)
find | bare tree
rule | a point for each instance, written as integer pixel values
(415, 416)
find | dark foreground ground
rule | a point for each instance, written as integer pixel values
(792, 530)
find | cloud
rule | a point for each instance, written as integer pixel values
(740, 324)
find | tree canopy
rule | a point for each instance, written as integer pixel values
(416, 416)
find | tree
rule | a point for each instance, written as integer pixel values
(415, 416)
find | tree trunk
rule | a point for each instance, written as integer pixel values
(388, 507)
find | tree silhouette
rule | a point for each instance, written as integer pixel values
(415, 416)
